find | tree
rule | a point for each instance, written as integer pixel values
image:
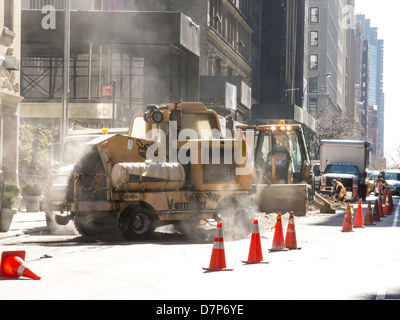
(395, 158)
(339, 127)
(34, 147)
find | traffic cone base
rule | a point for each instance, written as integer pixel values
(277, 249)
(255, 252)
(13, 266)
(278, 243)
(218, 262)
(216, 269)
(347, 223)
(255, 262)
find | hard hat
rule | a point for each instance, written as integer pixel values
(334, 182)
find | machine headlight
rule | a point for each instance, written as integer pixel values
(157, 116)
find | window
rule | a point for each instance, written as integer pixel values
(314, 15)
(313, 38)
(313, 85)
(313, 63)
(218, 67)
(312, 104)
(8, 14)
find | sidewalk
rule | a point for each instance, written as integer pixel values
(25, 223)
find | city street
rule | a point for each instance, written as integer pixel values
(175, 124)
(331, 264)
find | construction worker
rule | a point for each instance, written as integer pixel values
(339, 189)
(362, 186)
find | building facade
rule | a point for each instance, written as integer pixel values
(373, 97)
(230, 48)
(282, 52)
(221, 31)
(329, 52)
(126, 49)
(10, 52)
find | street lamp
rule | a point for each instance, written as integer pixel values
(67, 46)
(114, 113)
(327, 75)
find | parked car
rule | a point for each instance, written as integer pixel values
(391, 179)
(371, 180)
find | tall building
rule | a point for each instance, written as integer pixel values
(282, 68)
(10, 52)
(329, 52)
(282, 52)
(374, 100)
(360, 71)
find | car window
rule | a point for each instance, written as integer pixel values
(392, 176)
(339, 168)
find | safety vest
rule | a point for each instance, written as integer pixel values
(340, 190)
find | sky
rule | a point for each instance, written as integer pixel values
(385, 15)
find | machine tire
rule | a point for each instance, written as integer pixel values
(90, 189)
(89, 164)
(137, 223)
(96, 223)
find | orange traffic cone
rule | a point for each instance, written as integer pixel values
(387, 210)
(13, 266)
(369, 220)
(291, 240)
(376, 216)
(347, 223)
(218, 262)
(278, 244)
(358, 222)
(391, 201)
(255, 252)
(380, 207)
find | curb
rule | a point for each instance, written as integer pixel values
(17, 234)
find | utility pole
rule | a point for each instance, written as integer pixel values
(114, 113)
(67, 54)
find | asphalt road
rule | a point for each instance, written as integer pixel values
(363, 264)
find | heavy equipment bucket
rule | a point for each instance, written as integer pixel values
(283, 198)
(323, 204)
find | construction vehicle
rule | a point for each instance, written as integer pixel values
(58, 170)
(162, 172)
(282, 168)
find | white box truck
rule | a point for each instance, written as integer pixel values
(344, 160)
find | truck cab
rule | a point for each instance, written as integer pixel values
(343, 160)
(346, 173)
